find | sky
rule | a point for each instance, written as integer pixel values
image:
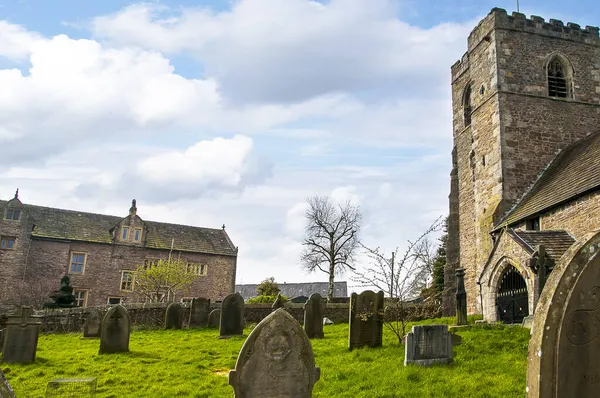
(234, 112)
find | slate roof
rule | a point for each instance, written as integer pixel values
(556, 242)
(53, 223)
(575, 171)
(291, 290)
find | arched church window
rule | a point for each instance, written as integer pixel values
(467, 109)
(557, 79)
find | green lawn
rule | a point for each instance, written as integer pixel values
(491, 362)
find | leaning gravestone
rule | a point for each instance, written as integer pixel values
(5, 389)
(232, 316)
(366, 320)
(20, 341)
(564, 349)
(174, 316)
(199, 311)
(92, 324)
(313, 316)
(276, 360)
(214, 318)
(278, 303)
(116, 327)
(427, 345)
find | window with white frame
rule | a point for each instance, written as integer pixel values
(115, 300)
(80, 297)
(77, 264)
(127, 278)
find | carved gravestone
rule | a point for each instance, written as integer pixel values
(564, 349)
(214, 318)
(278, 303)
(427, 345)
(461, 298)
(174, 316)
(313, 316)
(116, 327)
(275, 361)
(92, 324)
(199, 311)
(20, 341)
(6, 390)
(232, 316)
(366, 320)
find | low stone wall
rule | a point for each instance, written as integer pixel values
(254, 313)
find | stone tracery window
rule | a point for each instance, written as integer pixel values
(557, 79)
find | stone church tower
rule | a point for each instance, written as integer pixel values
(524, 90)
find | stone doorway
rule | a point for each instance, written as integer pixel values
(512, 299)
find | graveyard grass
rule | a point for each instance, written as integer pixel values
(491, 362)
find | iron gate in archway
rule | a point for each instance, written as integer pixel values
(512, 302)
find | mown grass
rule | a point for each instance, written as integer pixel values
(491, 362)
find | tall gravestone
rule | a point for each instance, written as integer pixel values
(6, 390)
(174, 316)
(116, 328)
(564, 349)
(214, 318)
(427, 345)
(232, 316)
(199, 311)
(276, 360)
(278, 303)
(92, 324)
(461, 298)
(21, 339)
(366, 320)
(313, 316)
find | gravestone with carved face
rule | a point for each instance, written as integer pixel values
(276, 360)
(20, 341)
(313, 316)
(92, 325)
(564, 349)
(366, 320)
(232, 316)
(116, 327)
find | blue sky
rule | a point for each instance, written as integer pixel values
(234, 112)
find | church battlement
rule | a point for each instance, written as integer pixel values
(499, 19)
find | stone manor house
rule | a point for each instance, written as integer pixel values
(525, 180)
(39, 245)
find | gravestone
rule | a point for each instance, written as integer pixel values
(276, 360)
(366, 320)
(232, 316)
(427, 345)
(313, 316)
(92, 324)
(278, 303)
(527, 322)
(116, 327)
(174, 316)
(6, 390)
(21, 338)
(199, 311)
(564, 349)
(214, 318)
(461, 298)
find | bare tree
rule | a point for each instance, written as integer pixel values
(331, 237)
(401, 278)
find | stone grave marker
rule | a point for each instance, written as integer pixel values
(199, 311)
(232, 316)
(278, 303)
(276, 360)
(428, 344)
(313, 316)
(366, 320)
(461, 298)
(116, 328)
(214, 318)
(564, 349)
(174, 316)
(92, 324)
(20, 341)
(6, 390)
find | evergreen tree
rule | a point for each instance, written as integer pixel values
(439, 263)
(63, 297)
